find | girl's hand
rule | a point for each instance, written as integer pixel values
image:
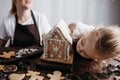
(72, 27)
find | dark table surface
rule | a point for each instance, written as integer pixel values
(75, 71)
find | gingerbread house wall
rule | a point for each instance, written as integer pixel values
(56, 46)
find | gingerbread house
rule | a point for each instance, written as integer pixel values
(57, 45)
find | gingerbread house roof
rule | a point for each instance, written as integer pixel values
(64, 30)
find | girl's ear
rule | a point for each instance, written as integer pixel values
(95, 59)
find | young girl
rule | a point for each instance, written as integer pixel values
(96, 43)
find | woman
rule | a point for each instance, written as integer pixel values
(24, 27)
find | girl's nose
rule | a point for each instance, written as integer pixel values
(80, 51)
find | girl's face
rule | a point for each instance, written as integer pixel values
(25, 4)
(86, 46)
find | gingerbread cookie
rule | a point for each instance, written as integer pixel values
(10, 68)
(1, 67)
(8, 54)
(56, 76)
(34, 75)
(15, 76)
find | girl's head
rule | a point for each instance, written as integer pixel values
(101, 43)
(20, 4)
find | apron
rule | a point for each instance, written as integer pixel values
(26, 35)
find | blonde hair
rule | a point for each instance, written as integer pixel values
(107, 45)
(13, 9)
(107, 41)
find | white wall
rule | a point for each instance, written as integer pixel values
(4, 8)
(106, 12)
